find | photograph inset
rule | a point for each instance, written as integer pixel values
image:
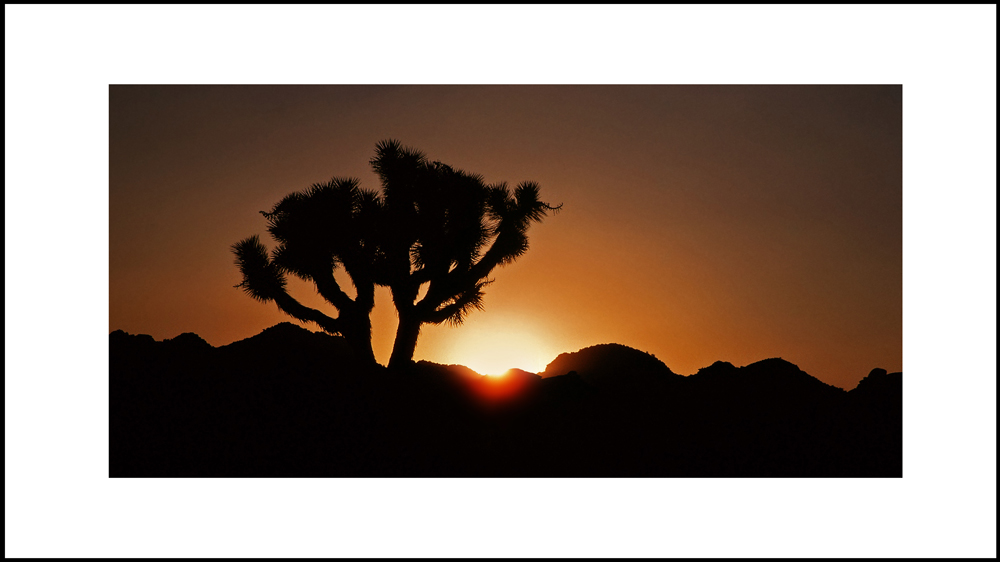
(338, 282)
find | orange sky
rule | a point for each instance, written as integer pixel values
(710, 223)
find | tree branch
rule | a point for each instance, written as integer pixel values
(442, 289)
(442, 314)
(330, 290)
(459, 307)
(296, 310)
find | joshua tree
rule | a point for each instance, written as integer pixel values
(318, 230)
(449, 230)
(431, 225)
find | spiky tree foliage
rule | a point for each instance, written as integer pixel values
(446, 228)
(432, 225)
(318, 230)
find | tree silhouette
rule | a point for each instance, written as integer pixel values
(450, 230)
(318, 230)
(432, 225)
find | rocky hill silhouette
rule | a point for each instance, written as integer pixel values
(612, 366)
(290, 402)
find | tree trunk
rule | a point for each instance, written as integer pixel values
(406, 341)
(358, 336)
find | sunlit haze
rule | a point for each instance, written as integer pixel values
(497, 343)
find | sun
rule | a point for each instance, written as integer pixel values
(497, 361)
(494, 348)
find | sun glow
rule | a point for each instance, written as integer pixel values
(494, 349)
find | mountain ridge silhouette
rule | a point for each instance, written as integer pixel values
(291, 402)
(607, 354)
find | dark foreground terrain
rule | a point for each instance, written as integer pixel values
(289, 402)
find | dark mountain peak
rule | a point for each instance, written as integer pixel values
(188, 341)
(718, 369)
(602, 356)
(722, 364)
(873, 378)
(457, 372)
(778, 372)
(774, 364)
(521, 374)
(284, 334)
(285, 329)
(767, 381)
(878, 399)
(285, 343)
(610, 365)
(879, 380)
(121, 337)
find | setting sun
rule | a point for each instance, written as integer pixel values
(494, 347)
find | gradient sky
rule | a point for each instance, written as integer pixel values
(700, 223)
